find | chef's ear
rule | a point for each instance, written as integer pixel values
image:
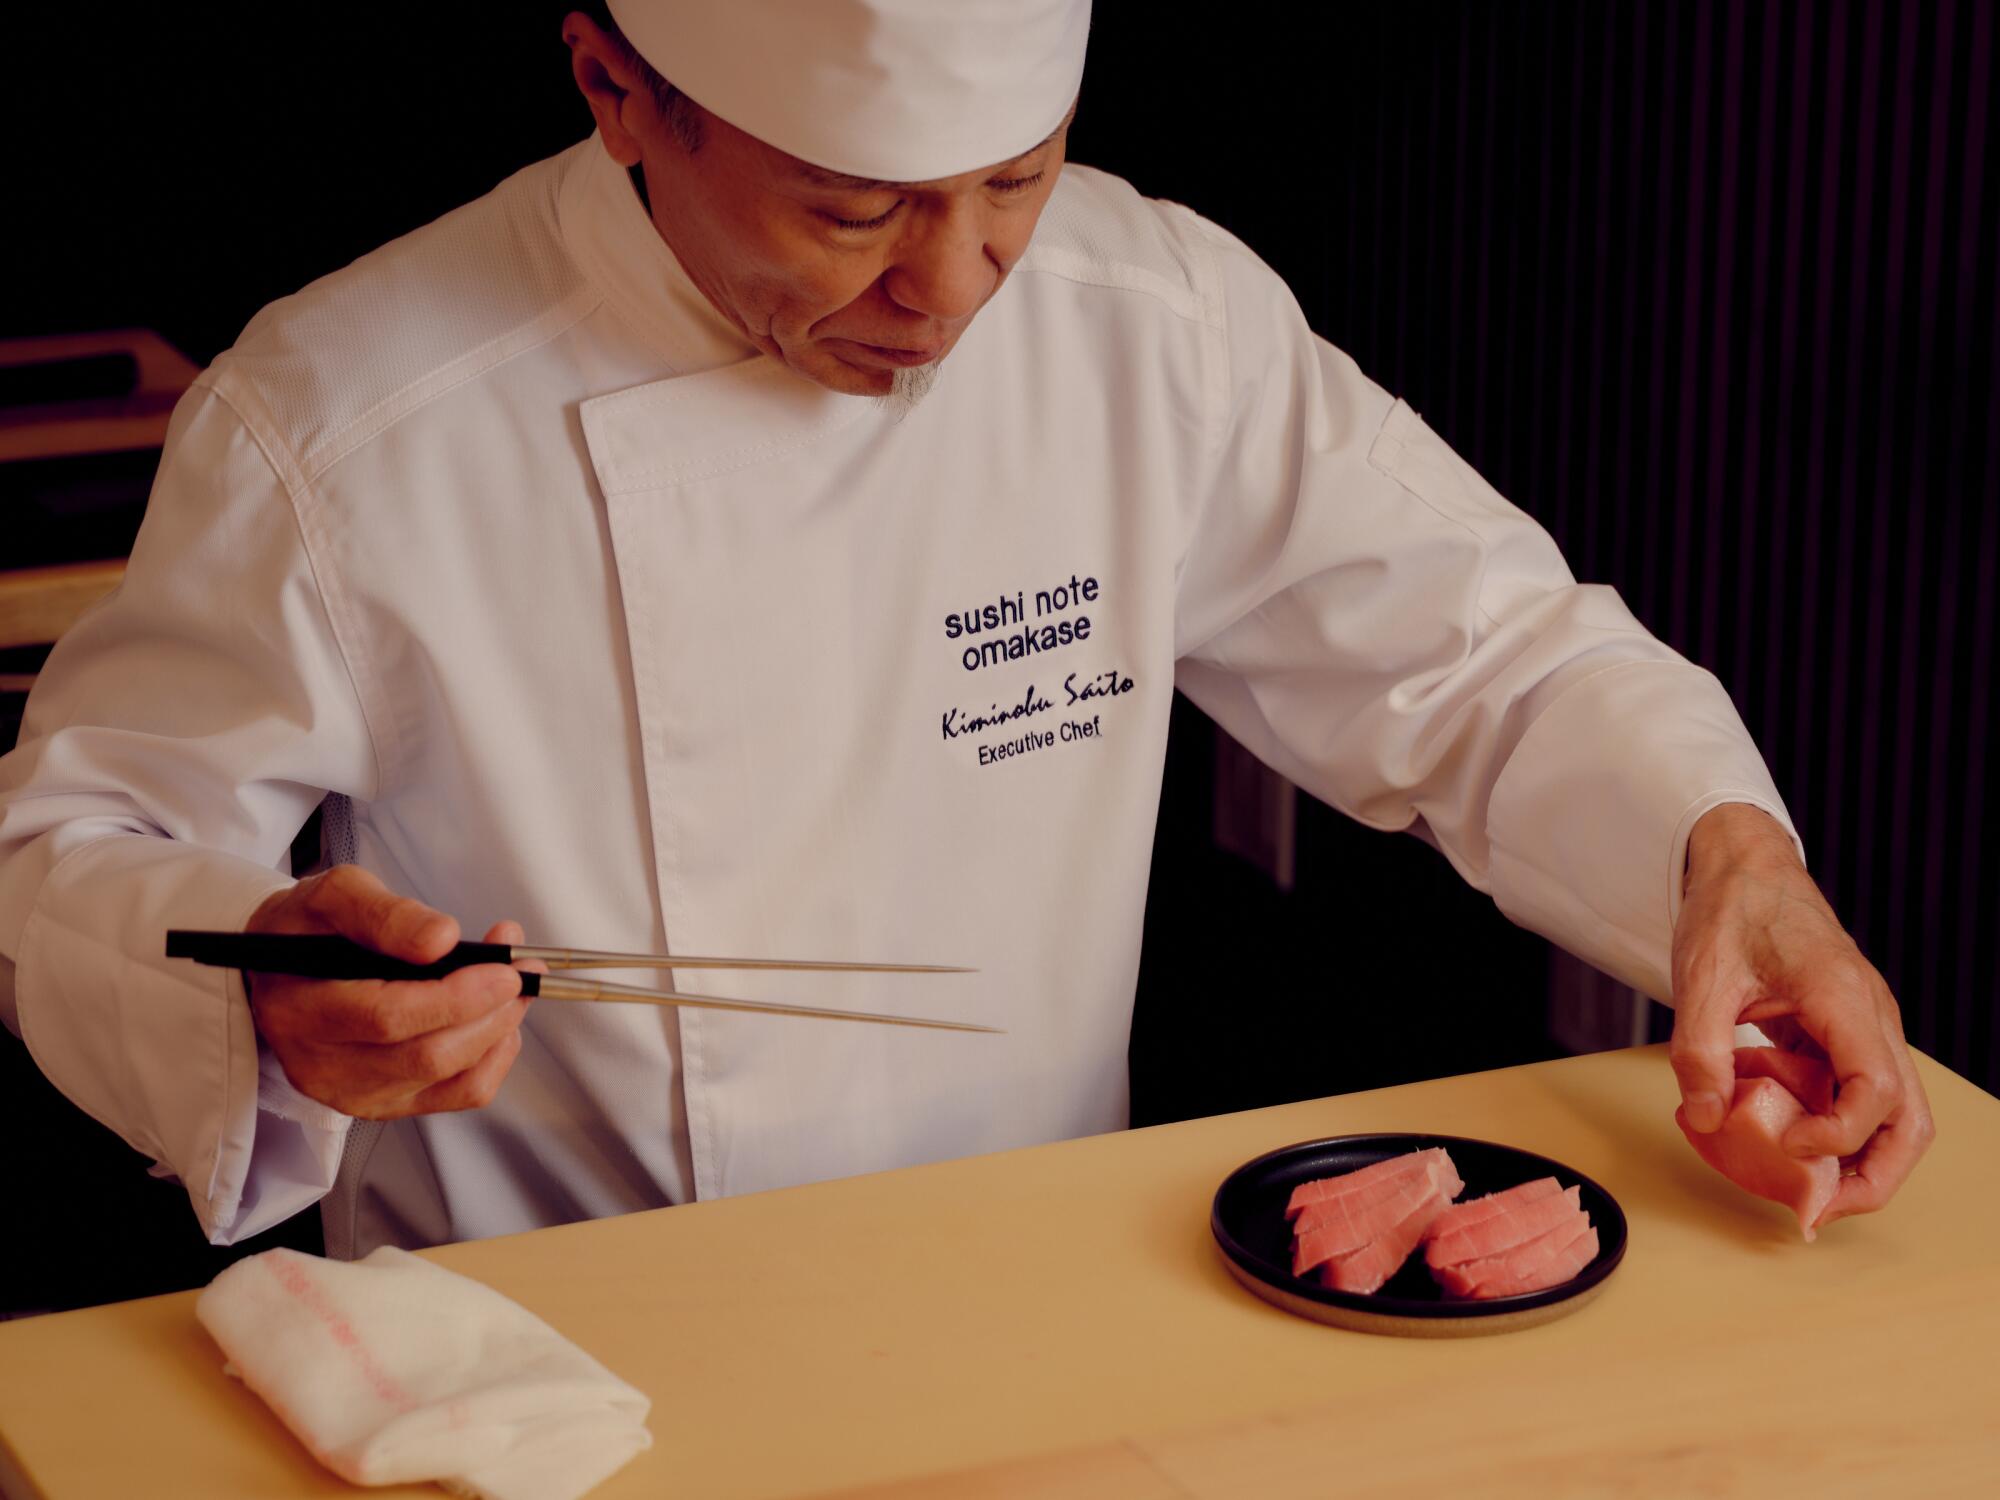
(605, 73)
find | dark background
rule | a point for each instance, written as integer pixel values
(1711, 289)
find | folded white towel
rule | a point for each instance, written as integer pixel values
(392, 1370)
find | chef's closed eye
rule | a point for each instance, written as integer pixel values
(858, 218)
(1012, 185)
(875, 221)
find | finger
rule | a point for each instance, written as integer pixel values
(1871, 1086)
(1864, 1104)
(355, 904)
(387, 1012)
(383, 1082)
(1703, 1054)
(1884, 1167)
(477, 1086)
(438, 1055)
(513, 934)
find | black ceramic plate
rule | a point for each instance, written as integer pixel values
(1248, 1220)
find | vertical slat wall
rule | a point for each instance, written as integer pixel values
(1711, 288)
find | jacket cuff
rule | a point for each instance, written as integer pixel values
(296, 1153)
(161, 1051)
(1589, 822)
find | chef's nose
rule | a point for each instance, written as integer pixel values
(947, 265)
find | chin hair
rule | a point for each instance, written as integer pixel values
(909, 386)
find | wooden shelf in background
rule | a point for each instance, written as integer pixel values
(38, 604)
(97, 424)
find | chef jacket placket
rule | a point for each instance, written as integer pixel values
(648, 446)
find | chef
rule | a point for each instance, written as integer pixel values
(776, 526)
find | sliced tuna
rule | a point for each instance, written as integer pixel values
(1525, 1220)
(1366, 1177)
(1340, 1226)
(1748, 1149)
(1431, 1175)
(1545, 1261)
(1374, 1263)
(1477, 1210)
(1808, 1079)
(1368, 1180)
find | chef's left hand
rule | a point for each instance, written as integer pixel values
(1756, 941)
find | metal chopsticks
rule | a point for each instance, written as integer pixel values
(327, 956)
(554, 987)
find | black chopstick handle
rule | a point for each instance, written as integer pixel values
(320, 955)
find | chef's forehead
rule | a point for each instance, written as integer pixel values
(877, 91)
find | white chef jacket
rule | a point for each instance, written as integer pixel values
(606, 623)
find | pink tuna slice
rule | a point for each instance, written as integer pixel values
(1478, 1210)
(1545, 1261)
(1809, 1079)
(1502, 1231)
(1370, 1176)
(1366, 1269)
(1371, 1179)
(1432, 1175)
(1748, 1149)
(1340, 1226)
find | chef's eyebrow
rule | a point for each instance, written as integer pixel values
(820, 177)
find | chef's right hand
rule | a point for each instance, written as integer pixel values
(381, 1049)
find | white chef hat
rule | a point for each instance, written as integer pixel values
(900, 90)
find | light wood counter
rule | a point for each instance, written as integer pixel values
(1056, 1323)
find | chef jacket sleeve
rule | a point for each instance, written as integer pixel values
(176, 741)
(1367, 615)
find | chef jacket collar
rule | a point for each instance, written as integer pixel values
(616, 245)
